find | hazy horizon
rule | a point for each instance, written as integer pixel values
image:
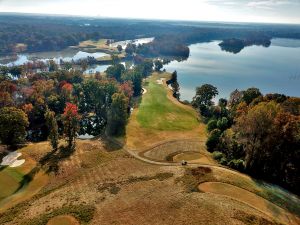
(255, 11)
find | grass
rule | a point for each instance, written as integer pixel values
(249, 219)
(99, 45)
(83, 213)
(114, 188)
(160, 117)
(10, 180)
(17, 184)
(63, 220)
(157, 111)
(193, 177)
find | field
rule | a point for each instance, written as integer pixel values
(141, 182)
(161, 118)
(100, 46)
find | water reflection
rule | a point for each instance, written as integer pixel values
(266, 68)
(135, 41)
(66, 55)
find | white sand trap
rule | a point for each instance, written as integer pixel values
(144, 91)
(160, 81)
(11, 160)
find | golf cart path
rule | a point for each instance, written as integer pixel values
(249, 198)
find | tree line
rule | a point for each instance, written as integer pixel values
(254, 133)
(45, 33)
(37, 106)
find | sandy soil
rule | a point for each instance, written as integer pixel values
(63, 220)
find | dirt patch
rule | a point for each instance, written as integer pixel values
(63, 220)
(251, 199)
(110, 187)
(114, 188)
(194, 176)
(249, 219)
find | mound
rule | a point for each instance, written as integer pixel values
(249, 198)
(63, 220)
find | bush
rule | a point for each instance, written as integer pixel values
(223, 161)
(222, 124)
(217, 155)
(237, 164)
(213, 140)
(212, 124)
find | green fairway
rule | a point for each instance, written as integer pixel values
(158, 112)
(20, 183)
(10, 179)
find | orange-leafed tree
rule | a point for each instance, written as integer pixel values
(71, 119)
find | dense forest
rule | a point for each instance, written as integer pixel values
(34, 33)
(234, 45)
(60, 102)
(254, 133)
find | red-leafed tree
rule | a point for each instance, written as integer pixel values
(67, 89)
(71, 119)
(127, 88)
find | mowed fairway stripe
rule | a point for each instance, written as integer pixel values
(158, 112)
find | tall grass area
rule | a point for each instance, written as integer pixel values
(160, 113)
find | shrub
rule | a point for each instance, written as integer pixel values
(237, 164)
(222, 124)
(217, 155)
(213, 140)
(223, 161)
(212, 124)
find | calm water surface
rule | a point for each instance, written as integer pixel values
(273, 69)
(66, 55)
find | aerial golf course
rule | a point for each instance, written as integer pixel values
(138, 179)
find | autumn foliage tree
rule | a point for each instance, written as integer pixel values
(271, 142)
(71, 119)
(13, 124)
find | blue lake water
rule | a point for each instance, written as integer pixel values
(273, 69)
(66, 55)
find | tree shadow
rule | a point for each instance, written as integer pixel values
(111, 144)
(50, 162)
(2, 168)
(27, 179)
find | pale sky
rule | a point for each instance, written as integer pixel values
(266, 11)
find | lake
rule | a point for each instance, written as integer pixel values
(272, 69)
(66, 55)
(139, 41)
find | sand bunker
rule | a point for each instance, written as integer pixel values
(12, 160)
(160, 81)
(144, 90)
